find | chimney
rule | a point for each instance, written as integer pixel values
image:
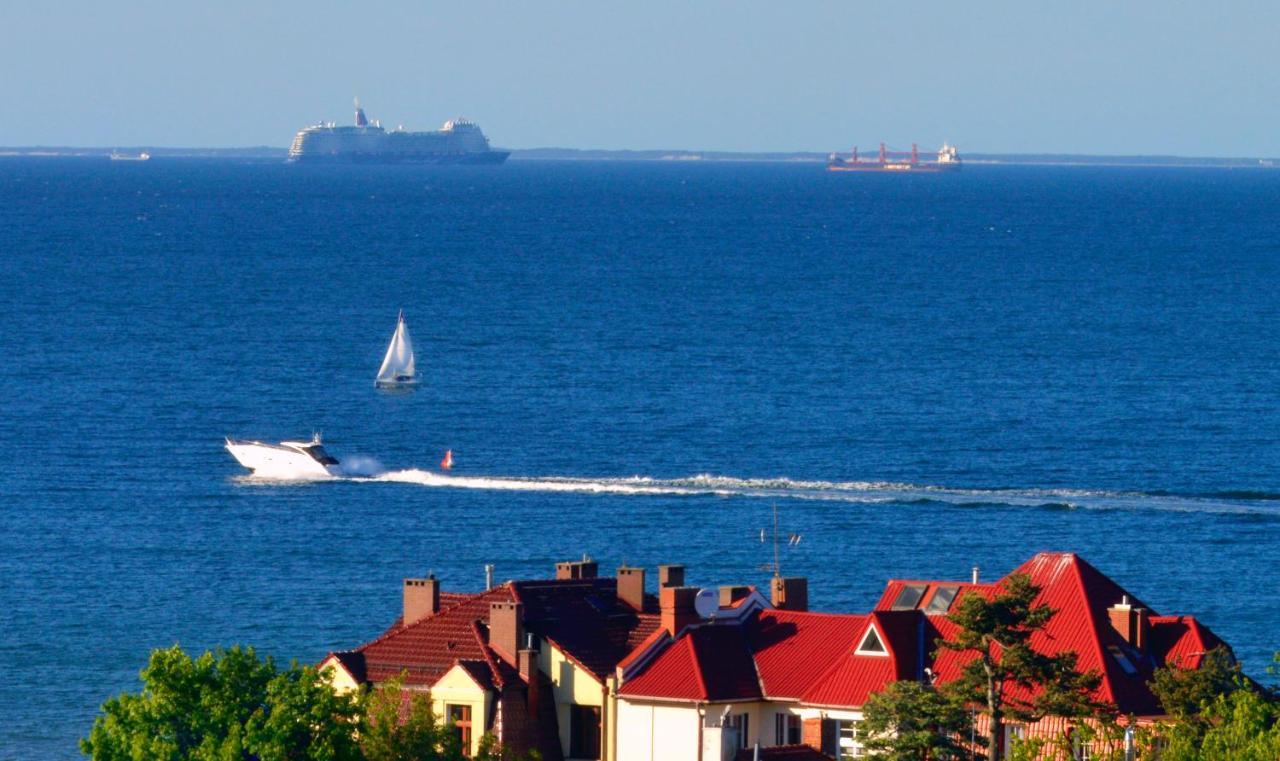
(506, 629)
(729, 594)
(527, 660)
(676, 605)
(577, 569)
(488, 576)
(421, 599)
(975, 574)
(631, 587)
(670, 576)
(528, 665)
(1132, 624)
(789, 593)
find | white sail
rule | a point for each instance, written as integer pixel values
(397, 367)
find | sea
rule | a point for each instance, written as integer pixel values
(635, 361)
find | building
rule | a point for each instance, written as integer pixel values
(582, 667)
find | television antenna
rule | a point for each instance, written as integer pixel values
(792, 540)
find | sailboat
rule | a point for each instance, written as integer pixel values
(397, 367)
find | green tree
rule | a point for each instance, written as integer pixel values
(400, 726)
(1184, 693)
(1005, 675)
(1240, 725)
(225, 706)
(908, 721)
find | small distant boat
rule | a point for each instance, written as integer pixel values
(447, 462)
(288, 459)
(118, 156)
(397, 369)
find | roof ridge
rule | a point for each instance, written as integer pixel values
(470, 598)
(488, 655)
(1095, 639)
(697, 667)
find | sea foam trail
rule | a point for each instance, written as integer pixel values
(864, 492)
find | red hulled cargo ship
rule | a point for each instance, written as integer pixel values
(889, 161)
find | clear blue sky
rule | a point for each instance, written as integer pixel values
(1082, 77)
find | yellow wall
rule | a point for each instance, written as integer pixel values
(571, 684)
(338, 676)
(457, 687)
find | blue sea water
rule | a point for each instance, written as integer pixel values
(632, 360)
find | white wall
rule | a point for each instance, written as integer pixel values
(648, 732)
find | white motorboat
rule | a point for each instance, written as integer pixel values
(288, 459)
(397, 369)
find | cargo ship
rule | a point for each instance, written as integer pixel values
(888, 161)
(459, 141)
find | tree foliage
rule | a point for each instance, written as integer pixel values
(908, 721)
(225, 706)
(1006, 675)
(229, 705)
(1184, 693)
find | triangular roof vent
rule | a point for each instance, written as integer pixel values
(871, 643)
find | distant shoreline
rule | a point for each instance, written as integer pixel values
(576, 154)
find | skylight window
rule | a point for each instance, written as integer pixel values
(871, 644)
(941, 600)
(909, 597)
(1122, 659)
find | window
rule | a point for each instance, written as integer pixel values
(741, 724)
(458, 718)
(786, 729)
(840, 739)
(941, 601)
(1122, 659)
(584, 732)
(909, 597)
(871, 644)
(849, 746)
(1014, 735)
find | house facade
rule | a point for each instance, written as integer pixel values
(581, 667)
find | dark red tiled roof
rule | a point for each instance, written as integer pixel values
(585, 619)
(582, 617)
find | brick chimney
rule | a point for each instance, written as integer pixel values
(421, 599)
(527, 663)
(631, 587)
(676, 607)
(789, 593)
(670, 576)
(506, 629)
(729, 594)
(577, 569)
(1132, 624)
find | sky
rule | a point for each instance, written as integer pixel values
(1117, 78)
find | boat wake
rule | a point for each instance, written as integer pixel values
(860, 492)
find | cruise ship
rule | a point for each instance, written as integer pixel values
(459, 141)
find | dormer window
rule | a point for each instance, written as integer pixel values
(909, 597)
(941, 601)
(871, 643)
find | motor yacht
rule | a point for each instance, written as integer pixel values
(288, 459)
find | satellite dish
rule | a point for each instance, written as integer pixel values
(707, 602)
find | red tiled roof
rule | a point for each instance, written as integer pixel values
(426, 649)
(708, 662)
(792, 648)
(855, 676)
(582, 617)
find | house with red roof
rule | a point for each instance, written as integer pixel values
(782, 676)
(583, 667)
